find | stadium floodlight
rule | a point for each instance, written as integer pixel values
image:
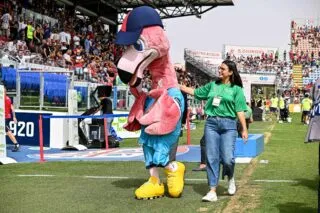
(86, 11)
(106, 20)
(66, 2)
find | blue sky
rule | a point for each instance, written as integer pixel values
(248, 23)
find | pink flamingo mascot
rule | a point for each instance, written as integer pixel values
(158, 112)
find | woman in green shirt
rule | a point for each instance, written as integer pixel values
(225, 103)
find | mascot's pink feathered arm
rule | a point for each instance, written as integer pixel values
(161, 118)
(136, 111)
(164, 114)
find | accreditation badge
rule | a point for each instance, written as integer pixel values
(216, 101)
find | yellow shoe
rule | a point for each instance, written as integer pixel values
(150, 189)
(175, 180)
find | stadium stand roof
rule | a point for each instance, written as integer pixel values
(109, 9)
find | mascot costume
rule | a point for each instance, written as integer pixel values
(157, 113)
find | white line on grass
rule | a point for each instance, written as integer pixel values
(106, 177)
(36, 175)
(277, 181)
(195, 179)
(186, 179)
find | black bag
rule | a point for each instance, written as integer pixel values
(112, 142)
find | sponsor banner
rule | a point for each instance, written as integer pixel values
(118, 123)
(294, 108)
(3, 152)
(214, 62)
(26, 129)
(259, 79)
(238, 51)
(205, 54)
(249, 79)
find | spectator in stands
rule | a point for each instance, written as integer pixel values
(29, 33)
(46, 31)
(76, 40)
(87, 44)
(21, 29)
(45, 49)
(37, 38)
(55, 37)
(6, 19)
(78, 63)
(65, 37)
(67, 57)
(225, 102)
(10, 115)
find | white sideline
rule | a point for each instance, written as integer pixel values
(36, 175)
(106, 177)
(277, 181)
(186, 179)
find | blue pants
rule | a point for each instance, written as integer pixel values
(157, 148)
(220, 137)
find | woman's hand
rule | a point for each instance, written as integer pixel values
(244, 135)
(186, 89)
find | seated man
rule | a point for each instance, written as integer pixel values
(104, 108)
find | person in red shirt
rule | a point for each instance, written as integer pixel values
(9, 115)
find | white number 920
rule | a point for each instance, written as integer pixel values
(22, 129)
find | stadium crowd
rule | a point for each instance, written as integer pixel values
(78, 43)
(305, 44)
(259, 64)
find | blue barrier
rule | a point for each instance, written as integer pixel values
(85, 116)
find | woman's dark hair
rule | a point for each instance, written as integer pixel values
(235, 78)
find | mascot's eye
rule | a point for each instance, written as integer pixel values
(139, 45)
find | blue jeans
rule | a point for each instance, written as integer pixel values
(220, 137)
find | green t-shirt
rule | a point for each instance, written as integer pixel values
(248, 113)
(232, 99)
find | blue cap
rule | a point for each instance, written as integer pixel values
(134, 23)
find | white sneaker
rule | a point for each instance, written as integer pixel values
(210, 197)
(232, 187)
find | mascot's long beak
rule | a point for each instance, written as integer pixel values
(133, 63)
